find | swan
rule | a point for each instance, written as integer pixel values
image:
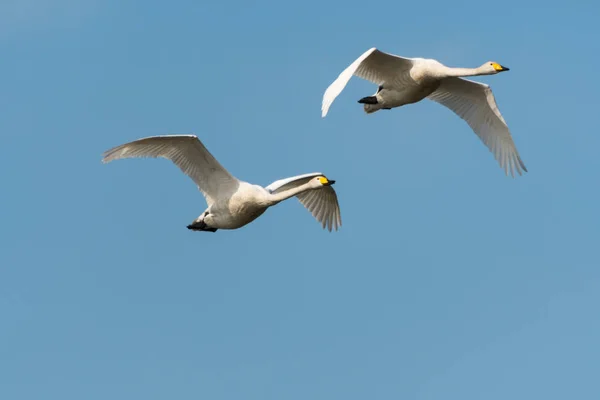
(233, 203)
(404, 81)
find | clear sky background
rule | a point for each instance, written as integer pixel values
(448, 280)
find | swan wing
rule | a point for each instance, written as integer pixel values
(189, 154)
(322, 203)
(373, 65)
(474, 102)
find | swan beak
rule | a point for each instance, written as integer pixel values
(325, 182)
(500, 68)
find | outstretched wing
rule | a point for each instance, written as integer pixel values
(189, 154)
(373, 65)
(322, 203)
(475, 103)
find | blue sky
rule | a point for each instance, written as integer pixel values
(448, 280)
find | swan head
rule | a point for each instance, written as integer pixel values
(493, 67)
(320, 181)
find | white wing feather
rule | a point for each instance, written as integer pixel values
(474, 102)
(322, 203)
(373, 65)
(189, 154)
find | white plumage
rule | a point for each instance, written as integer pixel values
(233, 203)
(404, 81)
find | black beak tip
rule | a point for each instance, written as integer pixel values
(505, 68)
(331, 182)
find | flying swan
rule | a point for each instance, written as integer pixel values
(233, 203)
(404, 81)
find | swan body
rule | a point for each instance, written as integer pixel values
(244, 206)
(405, 81)
(233, 203)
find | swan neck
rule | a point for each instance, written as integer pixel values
(458, 72)
(286, 194)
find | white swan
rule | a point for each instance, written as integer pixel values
(233, 203)
(404, 81)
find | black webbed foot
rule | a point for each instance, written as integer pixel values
(368, 100)
(200, 226)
